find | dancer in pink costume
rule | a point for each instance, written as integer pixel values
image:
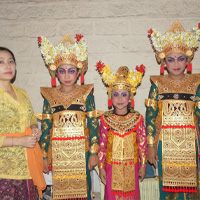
(122, 136)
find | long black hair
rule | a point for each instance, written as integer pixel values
(8, 50)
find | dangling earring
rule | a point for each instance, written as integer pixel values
(132, 101)
(53, 81)
(189, 67)
(53, 78)
(82, 79)
(109, 98)
(162, 68)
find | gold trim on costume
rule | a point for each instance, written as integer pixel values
(143, 161)
(101, 165)
(151, 102)
(197, 104)
(95, 113)
(45, 154)
(178, 144)
(46, 116)
(150, 140)
(72, 176)
(94, 148)
(68, 155)
(56, 98)
(122, 124)
(165, 85)
(150, 145)
(124, 150)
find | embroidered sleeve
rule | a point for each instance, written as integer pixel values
(46, 127)
(102, 145)
(151, 113)
(2, 138)
(142, 141)
(92, 125)
(34, 120)
(197, 109)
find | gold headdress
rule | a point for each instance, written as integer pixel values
(123, 79)
(176, 39)
(67, 51)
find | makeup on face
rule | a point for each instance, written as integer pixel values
(62, 71)
(117, 94)
(179, 59)
(120, 100)
(176, 63)
(67, 75)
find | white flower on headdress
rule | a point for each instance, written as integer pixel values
(191, 39)
(49, 52)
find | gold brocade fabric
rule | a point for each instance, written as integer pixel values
(123, 151)
(122, 148)
(178, 132)
(56, 98)
(178, 145)
(122, 124)
(188, 85)
(69, 142)
(69, 171)
(14, 118)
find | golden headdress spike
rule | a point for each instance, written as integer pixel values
(123, 79)
(176, 26)
(67, 39)
(176, 39)
(67, 51)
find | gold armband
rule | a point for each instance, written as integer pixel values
(45, 154)
(151, 102)
(197, 104)
(150, 145)
(94, 148)
(101, 165)
(46, 116)
(94, 113)
(143, 161)
(150, 140)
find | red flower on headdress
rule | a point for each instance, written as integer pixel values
(150, 31)
(140, 69)
(39, 40)
(199, 25)
(78, 37)
(100, 66)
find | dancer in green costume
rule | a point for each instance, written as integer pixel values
(69, 141)
(173, 114)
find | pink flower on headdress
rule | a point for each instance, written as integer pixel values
(140, 69)
(100, 66)
(150, 31)
(39, 40)
(78, 37)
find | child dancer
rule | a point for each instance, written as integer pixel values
(122, 136)
(173, 113)
(69, 143)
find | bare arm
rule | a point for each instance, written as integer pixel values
(25, 141)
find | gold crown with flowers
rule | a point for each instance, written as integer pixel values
(67, 51)
(176, 39)
(123, 79)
